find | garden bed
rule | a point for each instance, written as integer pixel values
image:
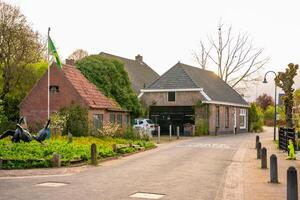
(35, 155)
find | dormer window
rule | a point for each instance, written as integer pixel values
(54, 89)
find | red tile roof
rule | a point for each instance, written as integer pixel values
(87, 90)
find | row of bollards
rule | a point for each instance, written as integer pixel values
(170, 132)
(292, 182)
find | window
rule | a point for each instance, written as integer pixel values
(243, 118)
(217, 116)
(98, 121)
(226, 117)
(112, 118)
(54, 89)
(119, 119)
(171, 96)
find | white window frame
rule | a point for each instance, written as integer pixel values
(243, 112)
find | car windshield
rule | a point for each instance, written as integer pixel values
(149, 121)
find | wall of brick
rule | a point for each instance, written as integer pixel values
(181, 98)
(106, 116)
(222, 128)
(35, 106)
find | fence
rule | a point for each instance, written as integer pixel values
(285, 134)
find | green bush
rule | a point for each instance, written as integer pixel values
(76, 120)
(110, 76)
(201, 127)
(269, 113)
(33, 154)
(256, 118)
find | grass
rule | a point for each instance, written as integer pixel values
(33, 154)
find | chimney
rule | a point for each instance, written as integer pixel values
(139, 58)
(70, 62)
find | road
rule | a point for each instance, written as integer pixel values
(196, 168)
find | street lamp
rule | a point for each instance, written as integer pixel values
(275, 110)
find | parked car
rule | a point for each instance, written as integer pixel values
(144, 124)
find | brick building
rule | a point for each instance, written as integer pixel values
(67, 86)
(187, 95)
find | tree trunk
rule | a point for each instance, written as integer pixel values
(288, 115)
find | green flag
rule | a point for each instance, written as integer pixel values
(52, 50)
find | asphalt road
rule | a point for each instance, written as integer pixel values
(194, 168)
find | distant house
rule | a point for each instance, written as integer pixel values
(67, 86)
(140, 74)
(186, 95)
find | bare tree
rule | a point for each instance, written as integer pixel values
(233, 57)
(78, 54)
(19, 46)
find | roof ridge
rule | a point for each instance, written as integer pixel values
(116, 56)
(198, 68)
(161, 76)
(133, 60)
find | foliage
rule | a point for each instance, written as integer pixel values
(110, 76)
(269, 113)
(108, 129)
(285, 80)
(201, 127)
(3, 117)
(256, 118)
(134, 134)
(58, 122)
(20, 46)
(264, 101)
(30, 155)
(201, 119)
(78, 54)
(76, 120)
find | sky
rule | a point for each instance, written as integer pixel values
(168, 31)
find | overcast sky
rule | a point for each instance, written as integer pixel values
(167, 31)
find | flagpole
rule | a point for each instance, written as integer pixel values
(48, 89)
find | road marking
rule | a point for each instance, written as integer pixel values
(206, 146)
(145, 195)
(52, 184)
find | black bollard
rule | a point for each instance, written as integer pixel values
(292, 184)
(273, 169)
(256, 141)
(258, 150)
(94, 154)
(264, 158)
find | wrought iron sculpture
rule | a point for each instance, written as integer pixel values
(42, 134)
(20, 134)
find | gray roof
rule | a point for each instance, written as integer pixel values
(182, 76)
(140, 74)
